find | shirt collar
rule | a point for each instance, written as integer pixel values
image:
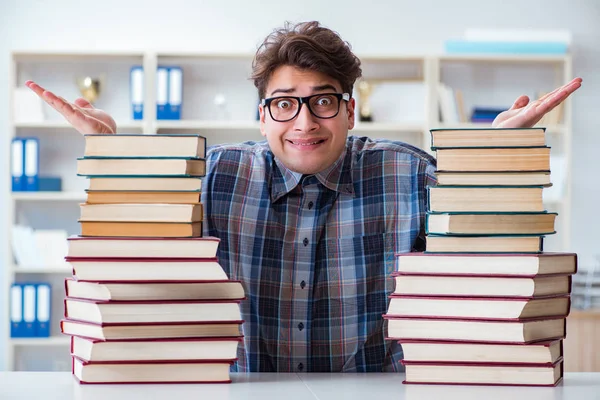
(336, 177)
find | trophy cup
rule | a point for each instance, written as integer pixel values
(89, 87)
(364, 90)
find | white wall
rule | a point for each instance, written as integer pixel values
(377, 27)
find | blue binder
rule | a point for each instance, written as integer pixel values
(17, 164)
(162, 93)
(29, 310)
(43, 304)
(175, 93)
(32, 164)
(136, 85)
(17, 325)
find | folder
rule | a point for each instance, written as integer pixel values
(29, 310)
(17, 164)
(175, 93)
(17, 325)
(43, 296)
(32, 164)
(136, 85)
(162, 82)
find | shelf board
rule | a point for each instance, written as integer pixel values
(58, 124)
(208, 125)
(403, 127)
(102, 56)
(505, 58)
(19, 269)
(41, 341)
(49, 196)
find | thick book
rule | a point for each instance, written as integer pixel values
(146, 183)
(142, 197)
(146, 270)
(94, 350)
(130, 312)
(469, 374)
(192, 371)
(478, 137)
(134, 291)
(141, 145)
(517, 178)
(490, 223)
(142, 247)
(488, 353)
(121, 331)
(487, 264)
(183, 213)
(141, 229)
(483, 308)
(140, 167)
(482, 286)
(494, 159)
(476, 330)
(485, 199)
(484, 244)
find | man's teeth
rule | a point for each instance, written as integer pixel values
(306, 144)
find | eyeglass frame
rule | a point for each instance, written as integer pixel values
(305, 100)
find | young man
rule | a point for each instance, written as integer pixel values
(310, 219)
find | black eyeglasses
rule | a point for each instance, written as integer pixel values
(322, 105)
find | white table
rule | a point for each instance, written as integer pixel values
(266, 386)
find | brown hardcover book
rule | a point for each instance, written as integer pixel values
(142, 167)
(483, 286)
(141, 145)
(141, 212)
(494, 159)
(490, 199)
(501, 137)
(146, 184)
(487, 264)
(484, 244)
(139, 197)
(494, 178)
(490, 223)
(141, 229)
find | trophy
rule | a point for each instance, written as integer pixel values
(90, 87)
(364, 90)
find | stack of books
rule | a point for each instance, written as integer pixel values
(484, 304)
(148, 301)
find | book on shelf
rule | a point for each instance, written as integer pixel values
(481, 199)
(137, 290)
(142, 167)
(487, 264)
(490, 223)
(506, 178)
(145, 184)
(151, 330)
(146, 269)
(142, 247)
(547, 352)
(494, 159)
(151, 212)
(482, 331)
(143, 145)
(172, 349)
(481, 374)
(484, 308)
(192, 371)
(142, 197)
(484, 244)
(479, 137)
(141, 229)
(483, 286)
(167, 311)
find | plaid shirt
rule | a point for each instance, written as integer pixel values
(315, 252)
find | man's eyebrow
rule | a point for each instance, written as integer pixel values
(286, 91)
(314, 89)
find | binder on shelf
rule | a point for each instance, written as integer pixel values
(29, 310)
(43, 310)
(175, 92)
(17, 164)
(31, 164)
(17, 325)
(136, 82)
(162, 83)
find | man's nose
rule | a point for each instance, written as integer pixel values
(305, 121)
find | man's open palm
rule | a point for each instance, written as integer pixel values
(81, 114)
(524, 114)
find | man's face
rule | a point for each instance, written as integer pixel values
(305, 144)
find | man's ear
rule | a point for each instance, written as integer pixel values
(261, 112)
(351, 114)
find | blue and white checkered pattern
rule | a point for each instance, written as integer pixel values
(315, 252)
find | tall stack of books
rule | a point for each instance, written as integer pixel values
(148, 301)
(484, 304)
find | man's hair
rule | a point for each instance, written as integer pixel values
(308, 46)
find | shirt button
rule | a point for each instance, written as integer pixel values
(302, 284)
(300, 367)
(305, 241)
(300, 326)
(310, 205)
